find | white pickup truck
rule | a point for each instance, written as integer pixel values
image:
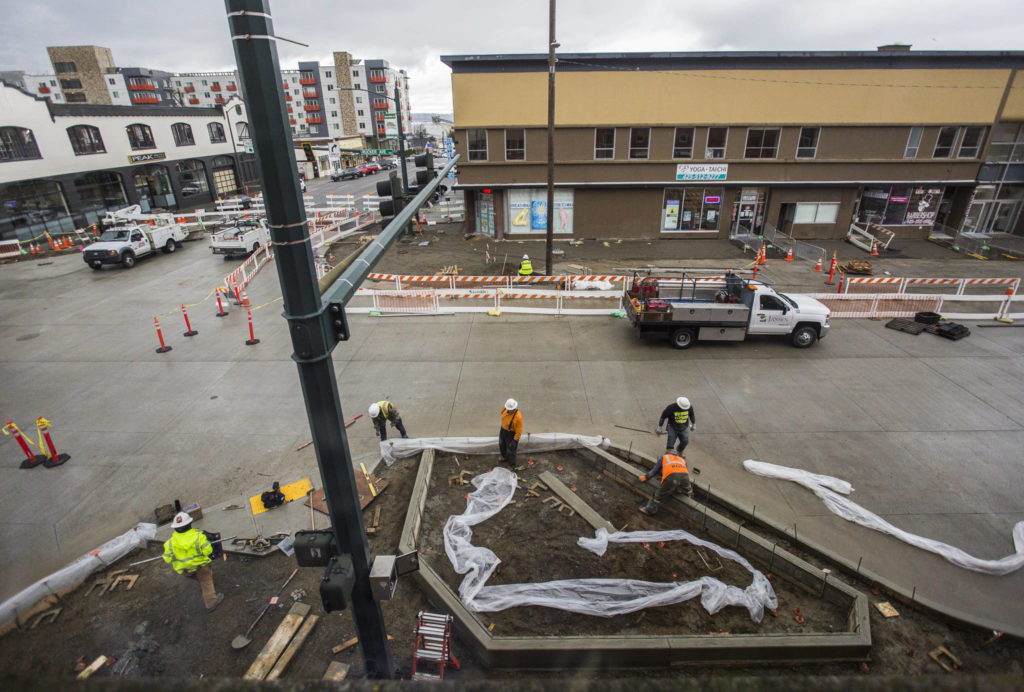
(726, 309)
(126, 243)
(243, 237)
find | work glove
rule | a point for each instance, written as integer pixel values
(692, 428)
(658, 431)
(643, 479)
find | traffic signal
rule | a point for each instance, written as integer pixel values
(424, 161)
(308, 148)
(392, 188)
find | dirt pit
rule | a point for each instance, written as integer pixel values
(536, 542)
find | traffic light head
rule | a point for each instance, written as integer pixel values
(392, 188)
(425, 161)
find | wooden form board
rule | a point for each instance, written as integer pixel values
(365, 496)
(336, 671)
(293, 647)
(277, 643)
(570, 498)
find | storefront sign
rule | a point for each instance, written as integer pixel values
(713, 200)
(152, 156)
(702, 171)
(671, 220)
(539, 215)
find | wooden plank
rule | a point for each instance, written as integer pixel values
(570, 498)
(93, 667)
(365, 496)
(293, 647)
(277, 642)
(352, 642)
(336, 671)
(612, 459)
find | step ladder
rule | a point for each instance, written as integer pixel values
(433, 643)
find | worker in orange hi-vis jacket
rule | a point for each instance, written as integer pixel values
(511, 431)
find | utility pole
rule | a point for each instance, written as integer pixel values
(314, 328)
(401, 142)
(551, 140)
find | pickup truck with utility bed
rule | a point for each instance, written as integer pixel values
(125, 243)
(242, 238)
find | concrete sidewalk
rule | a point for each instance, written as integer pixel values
(928, 431)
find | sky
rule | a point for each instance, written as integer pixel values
(192, 35)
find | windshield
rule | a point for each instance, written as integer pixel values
(788, 299)
(115, 234)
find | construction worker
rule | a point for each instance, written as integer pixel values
(674, 476)
(382, 412)
(188, 551)
(511, 431)
(526, 266)
(681, 420)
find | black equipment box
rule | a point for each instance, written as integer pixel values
(336, 586)
(314, 548)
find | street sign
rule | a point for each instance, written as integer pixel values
(376, 152)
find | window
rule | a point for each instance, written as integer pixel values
(604, 143)
(113, 82)
(204, 83)
(206, 94)
(336, 126)
(53, 82)
(691, 209)
(359, 99)
(140, 136)
(332, 101)
(717, 137)
(816, 212)
(75, 97)
(328, 73)
(381, 89)
(970, 145)
(17, 143)
(639, 142)
(807, 145)
(295, 92)
(192, 175)
(515, 145)
(761, 143)
(64, 67)
(99, 191)
(216, 131)
(115, 94)
(362, 126)
(477, 147)
(944, 143)
(334, 114)
(360, 112)
(71, 84)
(330, 87)
(182, 134)
(358, 86)
(913, 143)
(899, 205)
(86, 139)
(682, 147)
(242, 129)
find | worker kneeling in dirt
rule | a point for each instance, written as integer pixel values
(674, 476)
(511, 431)
(188, 551)
(381, 413)
(526, 266)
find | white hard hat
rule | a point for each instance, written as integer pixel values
(374, 410)
(683, 402)
(181, 519)
(526, 257)
(511, 405)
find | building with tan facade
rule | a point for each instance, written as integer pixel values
(708, 145)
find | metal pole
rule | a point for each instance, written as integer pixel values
(401, 142)
(252, 33)
(551, 141)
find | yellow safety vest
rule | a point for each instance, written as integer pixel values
(681, 417)
(386, 408)
(525, 268)
(187, 551)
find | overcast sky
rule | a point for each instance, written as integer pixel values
(192, 35)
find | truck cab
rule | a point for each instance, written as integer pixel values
(722, 308)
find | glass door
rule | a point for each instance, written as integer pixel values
(748, 212)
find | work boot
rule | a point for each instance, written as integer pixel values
(404, 436)
(648, 510)
(220, 597)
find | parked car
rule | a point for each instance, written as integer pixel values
(346, 174)
(368, 168)
(390, 164)
(187, 190)
(302, 184)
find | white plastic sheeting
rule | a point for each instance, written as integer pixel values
(831, 491)
(534, 444)
(75, 572)
(602, 597)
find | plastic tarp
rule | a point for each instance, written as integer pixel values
(602, 597)
(74, 573)
(534, 444)
(832, 490)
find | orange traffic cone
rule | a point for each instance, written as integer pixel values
(817, 267)
(245, 300)
(789, 255)
(764, 254)
(874, 249)
(32, 248)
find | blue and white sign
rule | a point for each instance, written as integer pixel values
(539, 215)
(702, 171)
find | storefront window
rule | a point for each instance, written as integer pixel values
(691, 209)
(224, 180)
(527, 211)
(32, 206)
(896, 210)
(99, 192)
(192, 175)
(153, 186)
(900, 205)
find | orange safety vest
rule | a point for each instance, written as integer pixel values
(672, 463)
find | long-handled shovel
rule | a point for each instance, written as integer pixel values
(242, 640)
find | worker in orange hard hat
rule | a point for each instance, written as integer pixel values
(674, 476)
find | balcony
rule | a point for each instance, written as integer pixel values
(194, 101)
(284, 85)
(139, 99)
(289, 109)
(44, 89)
(381, 133)
(310, 94)
(219, 99)
(291, 120)
(380, 104)
(232, 87)
(379, 117)
(311, 107)
(190, 90)
(307, 81)
(287, 96)
(314, 120)
(142, 87)
(378, 79)
(215, 87)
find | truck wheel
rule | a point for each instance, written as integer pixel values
(128, 259)
(170, 246)
(255, 248)
(682, 338)
(804, 336)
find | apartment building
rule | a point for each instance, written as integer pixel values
(707, 145)
(81, 71)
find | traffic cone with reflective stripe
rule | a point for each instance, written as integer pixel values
(874, 249)
(789, 255)
(245, 300)
(817, 267)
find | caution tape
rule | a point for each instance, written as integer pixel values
(40, 424)
(191, 305)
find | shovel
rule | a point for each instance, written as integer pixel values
(242, 640)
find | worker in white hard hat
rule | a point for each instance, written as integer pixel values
(681, 420)
(526, 266)
(511, 431)
(384, 412)
(188, 551)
